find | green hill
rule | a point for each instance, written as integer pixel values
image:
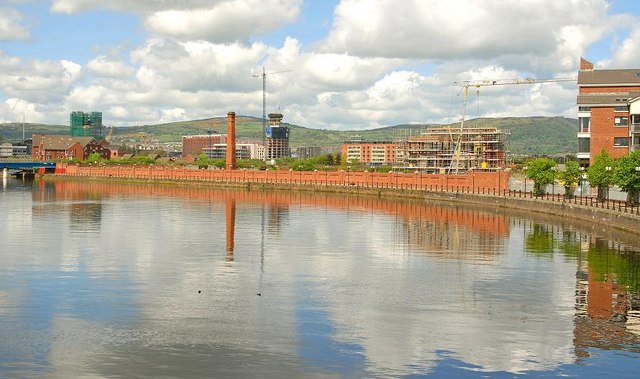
(528, 135)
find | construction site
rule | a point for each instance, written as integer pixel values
(452, 150)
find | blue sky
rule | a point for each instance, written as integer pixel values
(353, 64)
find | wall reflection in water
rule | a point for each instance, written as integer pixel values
(150, 281)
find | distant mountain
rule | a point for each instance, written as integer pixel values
(528, 135)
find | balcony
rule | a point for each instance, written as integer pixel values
(583, 155)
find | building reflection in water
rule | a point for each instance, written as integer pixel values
(84, 205)
(607, 294)
(460, 232)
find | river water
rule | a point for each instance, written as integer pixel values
(105, 280)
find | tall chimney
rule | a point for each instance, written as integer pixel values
(231, 141)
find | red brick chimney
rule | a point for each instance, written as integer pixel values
(231, 141)
(585, 64)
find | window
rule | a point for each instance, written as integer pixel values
(584, 109)
(583, 124)
(584, 145)
(621, 141)
(620, 108)
(621, 121)
(635, 119)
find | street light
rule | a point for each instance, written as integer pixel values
(583, 176)
(637, 173)
(210, 132)
(524, 169)
(553, 184)
(608, 170)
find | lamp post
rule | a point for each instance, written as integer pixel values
(608, 170)
(635, 200)
(553, 184)
(524, 170)
(583, 176)
(210, 132)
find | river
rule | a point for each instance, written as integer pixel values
(108, 280)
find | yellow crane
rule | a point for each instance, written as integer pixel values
(466, 84)
(141, 135)
(109, 134)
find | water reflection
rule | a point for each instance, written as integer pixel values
(607, 301)
(193, 282)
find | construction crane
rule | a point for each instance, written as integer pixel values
(264, 100)
(109, 134)
(139, 136)
(466, 84)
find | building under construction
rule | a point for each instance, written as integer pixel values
(277, 141)
(452, 150)
(84, 124)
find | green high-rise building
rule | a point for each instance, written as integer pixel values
(84, 124)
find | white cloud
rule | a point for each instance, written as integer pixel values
(104, 67)
(464, 29)
(342, 71)
(12, 25)
(197, 66)
(225, 21)
(75, 6)
(35, 80)
(209, 20)
(627, 53)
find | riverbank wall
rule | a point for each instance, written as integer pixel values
(486, 188)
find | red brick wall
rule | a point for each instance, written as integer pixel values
(603, 132)
(478, 181)
(615, 89)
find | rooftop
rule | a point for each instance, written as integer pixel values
(623, 77)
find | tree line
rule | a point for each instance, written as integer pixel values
(604, 172)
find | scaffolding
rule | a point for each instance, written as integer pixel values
(85, 124)
(438, 150)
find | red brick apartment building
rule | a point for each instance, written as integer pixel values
(608, 112)
(372, 153)
(193, 145)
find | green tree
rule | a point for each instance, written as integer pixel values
(598, 174)
(570, 178)
(203, 161)
(303, 165)
(256, 164)
(627, 177)
(541, 171)
(330, 159)
(94, 158)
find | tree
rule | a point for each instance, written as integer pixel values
(599, 176)
(303, 165)
(94, 158)
(541, 171)
(627, 177)
(570, 178)
(203, 161)
(330, 159)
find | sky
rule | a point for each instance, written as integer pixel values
(329, 64)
